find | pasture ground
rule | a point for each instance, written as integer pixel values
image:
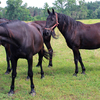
(59, 82)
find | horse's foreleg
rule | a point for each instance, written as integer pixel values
(82, 65)
(14, 73)
(30, 74)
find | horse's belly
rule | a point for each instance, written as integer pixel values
(90, 46)
(38, 46)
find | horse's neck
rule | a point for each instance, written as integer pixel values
(66, 27)
(62, 23)
(66, 24)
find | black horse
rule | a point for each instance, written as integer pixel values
(7, 49)
(77, 35)
(40, 25)
(25, 41)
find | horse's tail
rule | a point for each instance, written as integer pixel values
(6, 35)
(46, 54)
(8, 40)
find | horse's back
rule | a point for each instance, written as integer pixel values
(89, 36)
(26, 35)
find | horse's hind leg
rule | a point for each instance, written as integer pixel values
(76, 59)
(30, 74)
(82, 65)
(40, 62)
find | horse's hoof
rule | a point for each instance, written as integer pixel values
(42, 77)
(37, 65)
(75, 74)
(33, 93)
(28, 77)
(83, 73)
(11, 92)
(7, 72)
(49, 65)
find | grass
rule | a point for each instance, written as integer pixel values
(90, 21)
(59, 82)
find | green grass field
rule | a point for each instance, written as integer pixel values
(59, 82)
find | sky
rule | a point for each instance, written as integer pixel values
(36, 3)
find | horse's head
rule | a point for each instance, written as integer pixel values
(51, 22)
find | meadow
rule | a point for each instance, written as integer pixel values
(59, 82)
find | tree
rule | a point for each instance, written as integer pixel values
(60, 5)
(71, 8)
(45, 14)
(98, 12)
(2, 12)
(92, 9)
(15, 10)
(82, 10)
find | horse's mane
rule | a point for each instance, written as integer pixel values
(69, 22)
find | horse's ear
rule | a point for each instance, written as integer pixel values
(48, 11)
(53, 11)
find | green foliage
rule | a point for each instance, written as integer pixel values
(93, 11)
(77, 10)
(2, 12)
(98, 12)
(15, 10)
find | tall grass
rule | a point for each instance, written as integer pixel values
(59, 82)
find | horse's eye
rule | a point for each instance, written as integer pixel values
(52, 19)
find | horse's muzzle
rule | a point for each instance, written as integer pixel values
(47, 32)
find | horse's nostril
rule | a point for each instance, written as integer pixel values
(47, 32)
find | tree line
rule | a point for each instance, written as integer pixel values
(77, 9)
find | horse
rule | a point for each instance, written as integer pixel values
(77, 35)
(40, 25)
(25, 41)
(7, 49)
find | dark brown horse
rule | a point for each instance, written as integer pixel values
(40, 25)
(25, 41)
(77, 35)
(7, 49)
